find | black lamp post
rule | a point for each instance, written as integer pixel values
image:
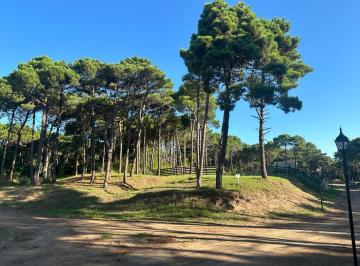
(342, 145)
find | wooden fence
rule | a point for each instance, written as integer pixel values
(208, 170)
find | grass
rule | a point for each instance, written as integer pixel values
(171, 198)
(106, 236)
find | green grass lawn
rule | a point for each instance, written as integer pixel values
(166, 198)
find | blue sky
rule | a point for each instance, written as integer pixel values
(111, 30)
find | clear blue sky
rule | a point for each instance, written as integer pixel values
(110, 30)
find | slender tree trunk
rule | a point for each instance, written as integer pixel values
(13, 162)
(109, 147)
(178, 149)
(223, 146)
(10, 127)
(174, 152)
(32, 148)
(202, 148)
(144, 152)
(18, 140)
(92, 140)
(138, 151)
(192, 148)
(132, 167)
(46, 162)
(54, 152)
(261, 142)
(198, 182)
(206, 153)
(128, 129)
(121, 146)
(136, 158)
(185, 159)
(77, 165)
(83, 170)
(114, 146)
(159, 150)
(152, 156)
(92, 148)
(41, 144)
(103, 159)
(47, 149)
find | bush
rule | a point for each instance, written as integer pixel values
(23, 180)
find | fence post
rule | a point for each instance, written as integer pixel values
(321, 197)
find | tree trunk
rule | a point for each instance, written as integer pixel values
(138, 155)
(92, 148)
(32, 148)
(47, 148)
(178, 149)
(159, 150)
(83, 170)
(46, 162)
(109, 147)
(103, 159)
(144, 152)
(54, 151)
(19, 135)
(185, 159)
(192, 147)
(223, 146)
(92, 140)
(77, 165)
(202, 148)
(206, 153)
(197, 135)
(261, 142)
(10, 127)
(121, 146)
(128, 129)
(113, 146)
(152, 156)
(41, 144)
(136, 158)
(132, 167)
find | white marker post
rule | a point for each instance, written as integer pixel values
(238, 179)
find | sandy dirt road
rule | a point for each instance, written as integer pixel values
(27, 239)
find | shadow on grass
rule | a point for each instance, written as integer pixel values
(329, 195)
(162, 205)
(185, 204)
(308, 214)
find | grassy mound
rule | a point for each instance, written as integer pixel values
(167, 198)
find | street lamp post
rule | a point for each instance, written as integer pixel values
(342, 145)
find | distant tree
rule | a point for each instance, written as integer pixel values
(286, 142)
(8, 107)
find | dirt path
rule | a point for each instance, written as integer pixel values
(33, 240)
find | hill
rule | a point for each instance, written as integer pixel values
(167, 198)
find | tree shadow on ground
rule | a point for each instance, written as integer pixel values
(85, 242)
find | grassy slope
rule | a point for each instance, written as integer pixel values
(166, 198)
